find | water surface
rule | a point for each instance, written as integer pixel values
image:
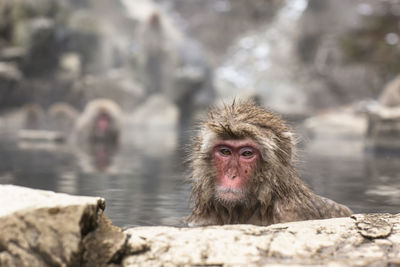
(145, 183)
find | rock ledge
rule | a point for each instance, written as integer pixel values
(42, 228)
(369, 239)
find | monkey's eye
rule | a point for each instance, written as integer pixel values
(247, 153)
(225, 151)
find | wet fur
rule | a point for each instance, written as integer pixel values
(276, 193)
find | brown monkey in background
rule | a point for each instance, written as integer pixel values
(242, 171)
(100, 122)
(34, 116)
(62, 117)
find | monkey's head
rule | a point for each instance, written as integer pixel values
(240, 153)
(101, 121)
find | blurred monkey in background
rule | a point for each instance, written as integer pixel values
(100, 122)
(33, 116)
(62, 117)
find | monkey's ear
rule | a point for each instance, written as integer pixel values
(291, 136)
(293, 141)
(209, 139)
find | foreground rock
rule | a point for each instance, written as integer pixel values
(371, 240)
(42, 228)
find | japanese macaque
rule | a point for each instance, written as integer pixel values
(62, 117)
(154, 44)
(242, 172)
(159, 43)
(34, 116)
(100, 122)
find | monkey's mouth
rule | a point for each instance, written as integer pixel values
(230, 194)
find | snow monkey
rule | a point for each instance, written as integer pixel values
(242, 172)
(100, 122)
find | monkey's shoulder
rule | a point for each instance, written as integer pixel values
(289, 211)
(330, 209)
(312, 207)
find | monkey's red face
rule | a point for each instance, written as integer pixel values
(235, 162)
(103, 123)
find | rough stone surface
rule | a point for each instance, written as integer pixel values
(104, 246)
(362, 240)
(43, 228)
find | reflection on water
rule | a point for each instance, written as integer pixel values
(344, 171)
(102, 155)
(144, 184)
(140, 188)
